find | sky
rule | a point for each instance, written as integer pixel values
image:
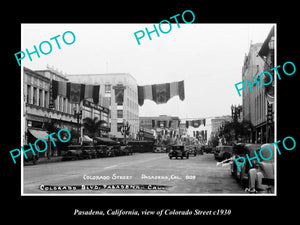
(208, 57)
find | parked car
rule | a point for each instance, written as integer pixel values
(206, 149)
(73, 153)
(192, 150)
(101, 151)
(178, 151)
(126, 150)
(240, 151)
(89, 152)
(199, 149)
(117, 150)
(157, 149)
(267, 169)
(110, 151)
(223, 152)
(30, 156)
(130, 149)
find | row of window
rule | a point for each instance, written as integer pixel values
(40, 97)
(37, 96)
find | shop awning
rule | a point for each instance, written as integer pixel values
(38, 133)
(87, 139)
(104, 139)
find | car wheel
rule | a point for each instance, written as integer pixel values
(170, 157)
(187, 156)
(226, 155)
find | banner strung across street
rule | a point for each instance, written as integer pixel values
(195, 123)
(161, 93)
(75, 92)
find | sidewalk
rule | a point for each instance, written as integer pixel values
(43, 160)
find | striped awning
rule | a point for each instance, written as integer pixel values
(38, 133)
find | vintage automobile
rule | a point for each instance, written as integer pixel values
(111, 151)
(126, 150)
(130, 149)
(206, 149)
(267, 169)
(73, 153)
(223, 152)
(30, 156)
(192, 150)
(160, 149)
(178, 151)
(240, 151)
(118, 150)
(101, 150)
(89, 152)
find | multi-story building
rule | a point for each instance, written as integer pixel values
(120, 95)
(217, 122)
(197, 130)
(36, 101)
(267, 54)
(39, 108)
(254, 103)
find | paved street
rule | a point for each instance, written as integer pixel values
(196, 175)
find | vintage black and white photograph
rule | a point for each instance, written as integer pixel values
(170, 108)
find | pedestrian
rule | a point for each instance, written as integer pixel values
(261, 170)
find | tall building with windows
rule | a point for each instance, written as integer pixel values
(120, 95)
(39, 108)
(255, 103)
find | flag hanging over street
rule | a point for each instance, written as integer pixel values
(161, 93)
(74, 92)
(195, 123)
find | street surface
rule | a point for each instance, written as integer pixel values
(196, 175)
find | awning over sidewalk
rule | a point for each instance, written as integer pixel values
(107, 140)
(38, 133)
(87, 139)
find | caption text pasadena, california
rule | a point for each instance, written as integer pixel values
(146, 212)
